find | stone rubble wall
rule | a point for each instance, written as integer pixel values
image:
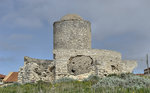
(35, 70)
(82, 63)
(104, 62)
(62, 71)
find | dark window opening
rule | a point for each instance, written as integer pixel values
(105, 74)
(73, 71)
(113, 67)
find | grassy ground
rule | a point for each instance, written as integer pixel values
(73, 86)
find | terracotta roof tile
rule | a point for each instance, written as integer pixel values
(2, 76)
(12, 77)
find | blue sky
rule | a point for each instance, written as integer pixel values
(26, 28)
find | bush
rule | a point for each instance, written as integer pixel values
(110, 75)
(137, 81)
(110, 82)
(123, 83)
(65, 79)
(123, 80)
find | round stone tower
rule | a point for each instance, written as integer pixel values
(72, 32)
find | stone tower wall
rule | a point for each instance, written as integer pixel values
(72, 34)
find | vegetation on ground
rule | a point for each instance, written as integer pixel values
(123, 83)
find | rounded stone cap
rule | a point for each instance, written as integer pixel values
(71, 17)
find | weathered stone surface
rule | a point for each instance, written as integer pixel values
(82, 76)
(35, 70)
(79, 65)
(72, 34)
(104, 62)
(103, 55)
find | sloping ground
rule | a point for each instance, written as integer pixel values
(92, 84)
(12, 77)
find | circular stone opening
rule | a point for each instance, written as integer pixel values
(79, 65)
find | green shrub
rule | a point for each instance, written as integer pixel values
(65, 79)
(123, 80)
(110, 82)
(123, 83)
(110, 75)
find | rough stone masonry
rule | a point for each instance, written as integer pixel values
(73, 55)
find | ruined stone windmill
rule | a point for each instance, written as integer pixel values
(73, 55)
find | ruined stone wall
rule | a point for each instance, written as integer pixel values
(72, 34)
(78, 63)
(35, 70)
(73, 55)
(128, 66)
